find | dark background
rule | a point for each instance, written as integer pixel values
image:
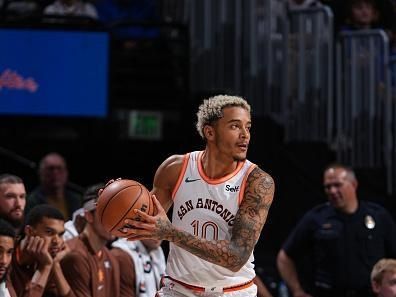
(96, 149)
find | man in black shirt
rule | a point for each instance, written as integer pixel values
(342, 238)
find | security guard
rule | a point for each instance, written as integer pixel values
(343, 239)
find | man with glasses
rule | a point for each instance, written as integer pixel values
(54, 187)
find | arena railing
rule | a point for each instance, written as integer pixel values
(309, 106)
(363, 132)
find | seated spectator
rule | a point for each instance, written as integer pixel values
(71, 8)
(53, 188)
(383, 278)
(35, 266)
(7, 238)
(142, 264)
(75, 226)
(12, 200)
(90, 266)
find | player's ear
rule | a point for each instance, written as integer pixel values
(28, 230)
(88, 215)
(208, 132)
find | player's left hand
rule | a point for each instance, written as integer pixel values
(156, 226)
(64, 250)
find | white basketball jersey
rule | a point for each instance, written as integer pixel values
(207, 207)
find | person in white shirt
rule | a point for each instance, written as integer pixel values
(142, 265)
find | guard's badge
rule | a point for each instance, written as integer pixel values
(369, 222)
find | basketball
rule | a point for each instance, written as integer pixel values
(118, 201)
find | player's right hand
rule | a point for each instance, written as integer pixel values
(37, 248)
(156, 226)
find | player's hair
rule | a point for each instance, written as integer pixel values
(350, 172)
(90, 196)
(7, 178)
(43, 161)
(212, 109)
(6, 229)
(37, 213)
(382, 266)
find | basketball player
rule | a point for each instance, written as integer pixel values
(7, 242)
(220, 205)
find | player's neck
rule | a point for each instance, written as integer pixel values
(95, 241)
(215, 165)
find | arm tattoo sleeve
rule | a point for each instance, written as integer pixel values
(249, 222)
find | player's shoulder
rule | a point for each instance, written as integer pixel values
(170, 169)
(173, 163)
(260, 183)
(259, 175)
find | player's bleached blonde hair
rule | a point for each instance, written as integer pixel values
(382, 266)
(212, 109)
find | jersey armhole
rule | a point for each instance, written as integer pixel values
(243, 185)
(181, 174)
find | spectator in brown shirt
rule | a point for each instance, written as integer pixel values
(90, 267)
(36, 269)
(7, 237)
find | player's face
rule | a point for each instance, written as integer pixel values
(6, 249)
(51, 229)
(12, 202)
(100, 230)
(232, 132)
(339, 188)
(387, 288)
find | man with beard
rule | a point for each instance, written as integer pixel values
(12, 200)
(7, 238)
(36, 269)
(90, 267)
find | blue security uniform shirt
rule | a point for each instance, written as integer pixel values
(343, 248)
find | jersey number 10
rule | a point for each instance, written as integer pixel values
(209, 230)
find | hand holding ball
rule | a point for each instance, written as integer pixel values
(117, 202)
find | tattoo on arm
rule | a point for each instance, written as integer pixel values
(249, 221)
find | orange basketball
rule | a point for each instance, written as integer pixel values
(117, 202)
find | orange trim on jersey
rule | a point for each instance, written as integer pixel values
(181, 174)
(243, 184)
(216, 181)
(202, 289)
